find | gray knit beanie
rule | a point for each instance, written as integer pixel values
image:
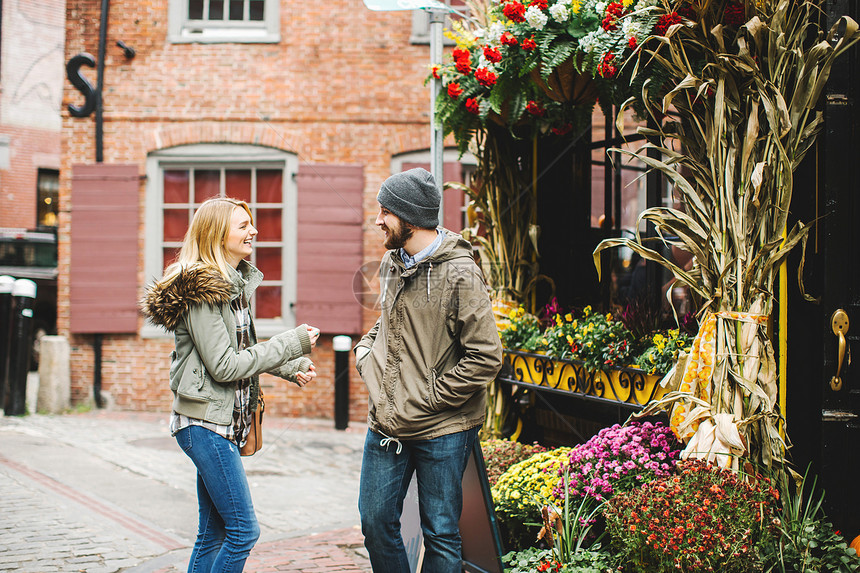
(412, 196)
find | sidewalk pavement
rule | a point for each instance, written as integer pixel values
(109, 491)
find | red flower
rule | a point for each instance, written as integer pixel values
(485, 77)
(454, 90)
(463, 66)
(606, 68)
(561, 131)
(665, 22)
(472, 105)
(535, 108)
(542, 4)
(508, 39)
(529, 44)
(461, 54)
(632, 43)
(615, 9)
(608, 24)
(734, 14)
(515, 11)
(435, 71)
(492, 54)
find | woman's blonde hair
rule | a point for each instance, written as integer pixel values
(204, 240)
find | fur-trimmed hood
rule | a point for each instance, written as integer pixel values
(165, 302)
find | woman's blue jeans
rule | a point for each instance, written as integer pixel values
(385, 475)
(228, 526)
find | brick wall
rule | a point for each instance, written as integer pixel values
(30, 149)
(343, 86)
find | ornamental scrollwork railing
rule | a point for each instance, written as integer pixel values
(630, 386)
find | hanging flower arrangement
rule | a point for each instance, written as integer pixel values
(538, 65)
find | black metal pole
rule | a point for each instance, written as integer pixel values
(341, 345)
(100, 77)
(6, 283)
(21, 347)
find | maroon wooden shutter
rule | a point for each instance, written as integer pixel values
(104, 248)
(330, 216)
(453, 199)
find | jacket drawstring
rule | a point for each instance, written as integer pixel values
(384, 442)
(429, 268)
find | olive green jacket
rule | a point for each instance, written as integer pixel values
(207, 362)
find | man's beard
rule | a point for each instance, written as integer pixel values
(397, 237)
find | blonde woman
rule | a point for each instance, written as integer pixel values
(203, 300)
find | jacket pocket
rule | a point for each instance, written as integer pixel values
(192, 386)
(174, 370)
(432, 391)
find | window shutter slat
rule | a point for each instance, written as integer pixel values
(104, 249)
(329, 241)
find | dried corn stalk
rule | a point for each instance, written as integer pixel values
(741, 105)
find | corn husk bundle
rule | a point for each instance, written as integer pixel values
(502, 214)
(735, 105)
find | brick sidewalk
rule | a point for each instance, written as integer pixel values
(340, 551)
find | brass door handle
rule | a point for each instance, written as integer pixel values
(839, 324)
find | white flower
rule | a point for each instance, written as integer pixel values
(559, 12)
(536, 18)
(495, 31)
(600, 8)
(631, 28)
(587, 42)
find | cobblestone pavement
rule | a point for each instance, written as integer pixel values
(110, 491)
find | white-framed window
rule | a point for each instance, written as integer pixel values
(180, 178)
(214, 21)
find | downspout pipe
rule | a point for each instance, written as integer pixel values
(100, 76)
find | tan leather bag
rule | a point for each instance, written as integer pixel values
(255, 435)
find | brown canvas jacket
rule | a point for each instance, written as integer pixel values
(434, 348)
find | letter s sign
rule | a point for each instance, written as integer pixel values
(73, 72)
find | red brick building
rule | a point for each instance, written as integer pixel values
(301, 109)
(31, 69)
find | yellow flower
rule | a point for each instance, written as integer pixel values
(513, 314)
(575, 6)
(568, 317)
(609, 316)
(513, 326)
(569, 339)
(587, 310)
(558, 320)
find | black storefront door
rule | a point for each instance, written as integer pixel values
(823, 414)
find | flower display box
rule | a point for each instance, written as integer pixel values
(631, 387)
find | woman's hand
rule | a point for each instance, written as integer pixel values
(314, 333)
(303, 378)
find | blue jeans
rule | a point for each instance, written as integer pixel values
(228, 526)
(385, 475)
